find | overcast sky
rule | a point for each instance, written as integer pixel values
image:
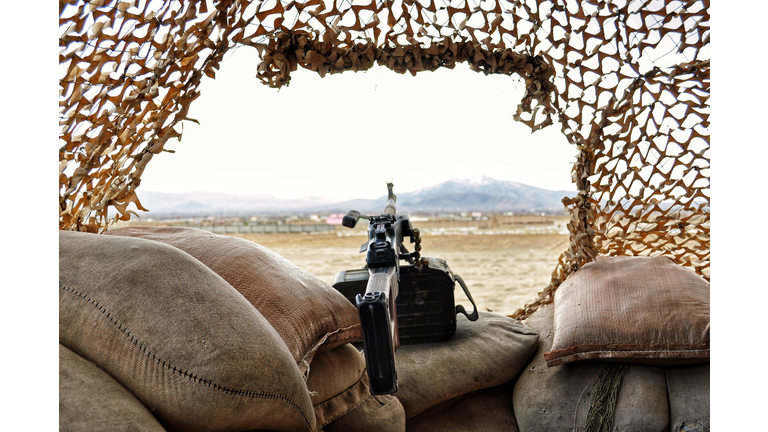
(345, 135)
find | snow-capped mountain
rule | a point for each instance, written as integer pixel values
(456, 195)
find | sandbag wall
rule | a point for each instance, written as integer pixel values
(625, 346)
(191, 348)
(174, 320)
(177, 336)
(181, 329)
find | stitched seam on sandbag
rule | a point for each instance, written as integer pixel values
(360, 402)
(176, 370)
(343, 391)
(651, 354)
(321, 422)
(649, 351)
(310, 354)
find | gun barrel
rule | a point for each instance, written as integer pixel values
(390, 208)
(391, 199)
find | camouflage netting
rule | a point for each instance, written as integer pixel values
(626, 81)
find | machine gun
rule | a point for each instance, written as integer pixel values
(377, 307)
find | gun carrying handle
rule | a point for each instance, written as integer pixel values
(459, 308)
(350, 219)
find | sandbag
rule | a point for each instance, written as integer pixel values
(688, 388)
(90, 400)
(177, 336)
(336, 383)
(341, 396)
(487, 410)
(380, 413)
(558, 398)
(310, 316)
(634, 309)
(485, 353)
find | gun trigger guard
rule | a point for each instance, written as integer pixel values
(459, 308)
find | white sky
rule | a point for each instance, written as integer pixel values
(344, 135)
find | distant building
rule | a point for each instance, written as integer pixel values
(334, 219)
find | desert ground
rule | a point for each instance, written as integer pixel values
(503, 271)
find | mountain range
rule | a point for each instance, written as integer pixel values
(483, 194)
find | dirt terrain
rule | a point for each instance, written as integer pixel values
(502, 271)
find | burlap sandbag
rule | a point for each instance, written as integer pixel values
(485, 353)
(310, 316)
(177, 336)
(487, 410)
(688, 388)
(381, 413)
(341, 396)
(90, 400)
(557, 398)
(642, 310)
(336, 383)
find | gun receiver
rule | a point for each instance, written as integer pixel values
(378, 314)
